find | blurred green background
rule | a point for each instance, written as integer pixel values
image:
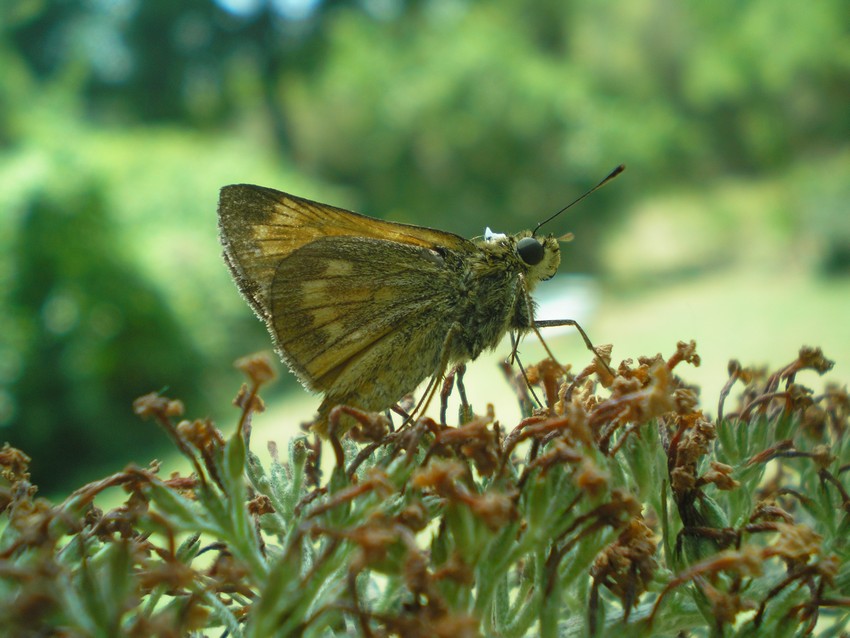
(121, 119)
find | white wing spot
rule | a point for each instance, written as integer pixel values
(337, 268)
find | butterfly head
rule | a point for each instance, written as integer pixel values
(540, 256)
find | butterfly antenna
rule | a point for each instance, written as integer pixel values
(607, 179)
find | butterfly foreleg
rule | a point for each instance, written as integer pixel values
(527, 322)
(551, 323)
(535, 325)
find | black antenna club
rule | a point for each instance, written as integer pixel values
(607, 179)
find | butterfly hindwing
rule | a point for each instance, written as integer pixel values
(344, 306)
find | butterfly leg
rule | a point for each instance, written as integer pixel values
(445, 393)
(529, 323)
(514, 358)
(433, 384)
(399, 410)
(461, 389)
(455, 375)
(551, 323)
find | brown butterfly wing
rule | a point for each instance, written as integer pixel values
(362, 319)
(259, 227)
(344, 295)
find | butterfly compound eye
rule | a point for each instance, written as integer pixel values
(530, 250)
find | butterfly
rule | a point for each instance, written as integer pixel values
(364, 310)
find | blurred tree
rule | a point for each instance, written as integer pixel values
(465, 114)
(92, 336)
(491, 109)
(159, 60)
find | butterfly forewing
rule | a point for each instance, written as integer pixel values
(261, 226)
